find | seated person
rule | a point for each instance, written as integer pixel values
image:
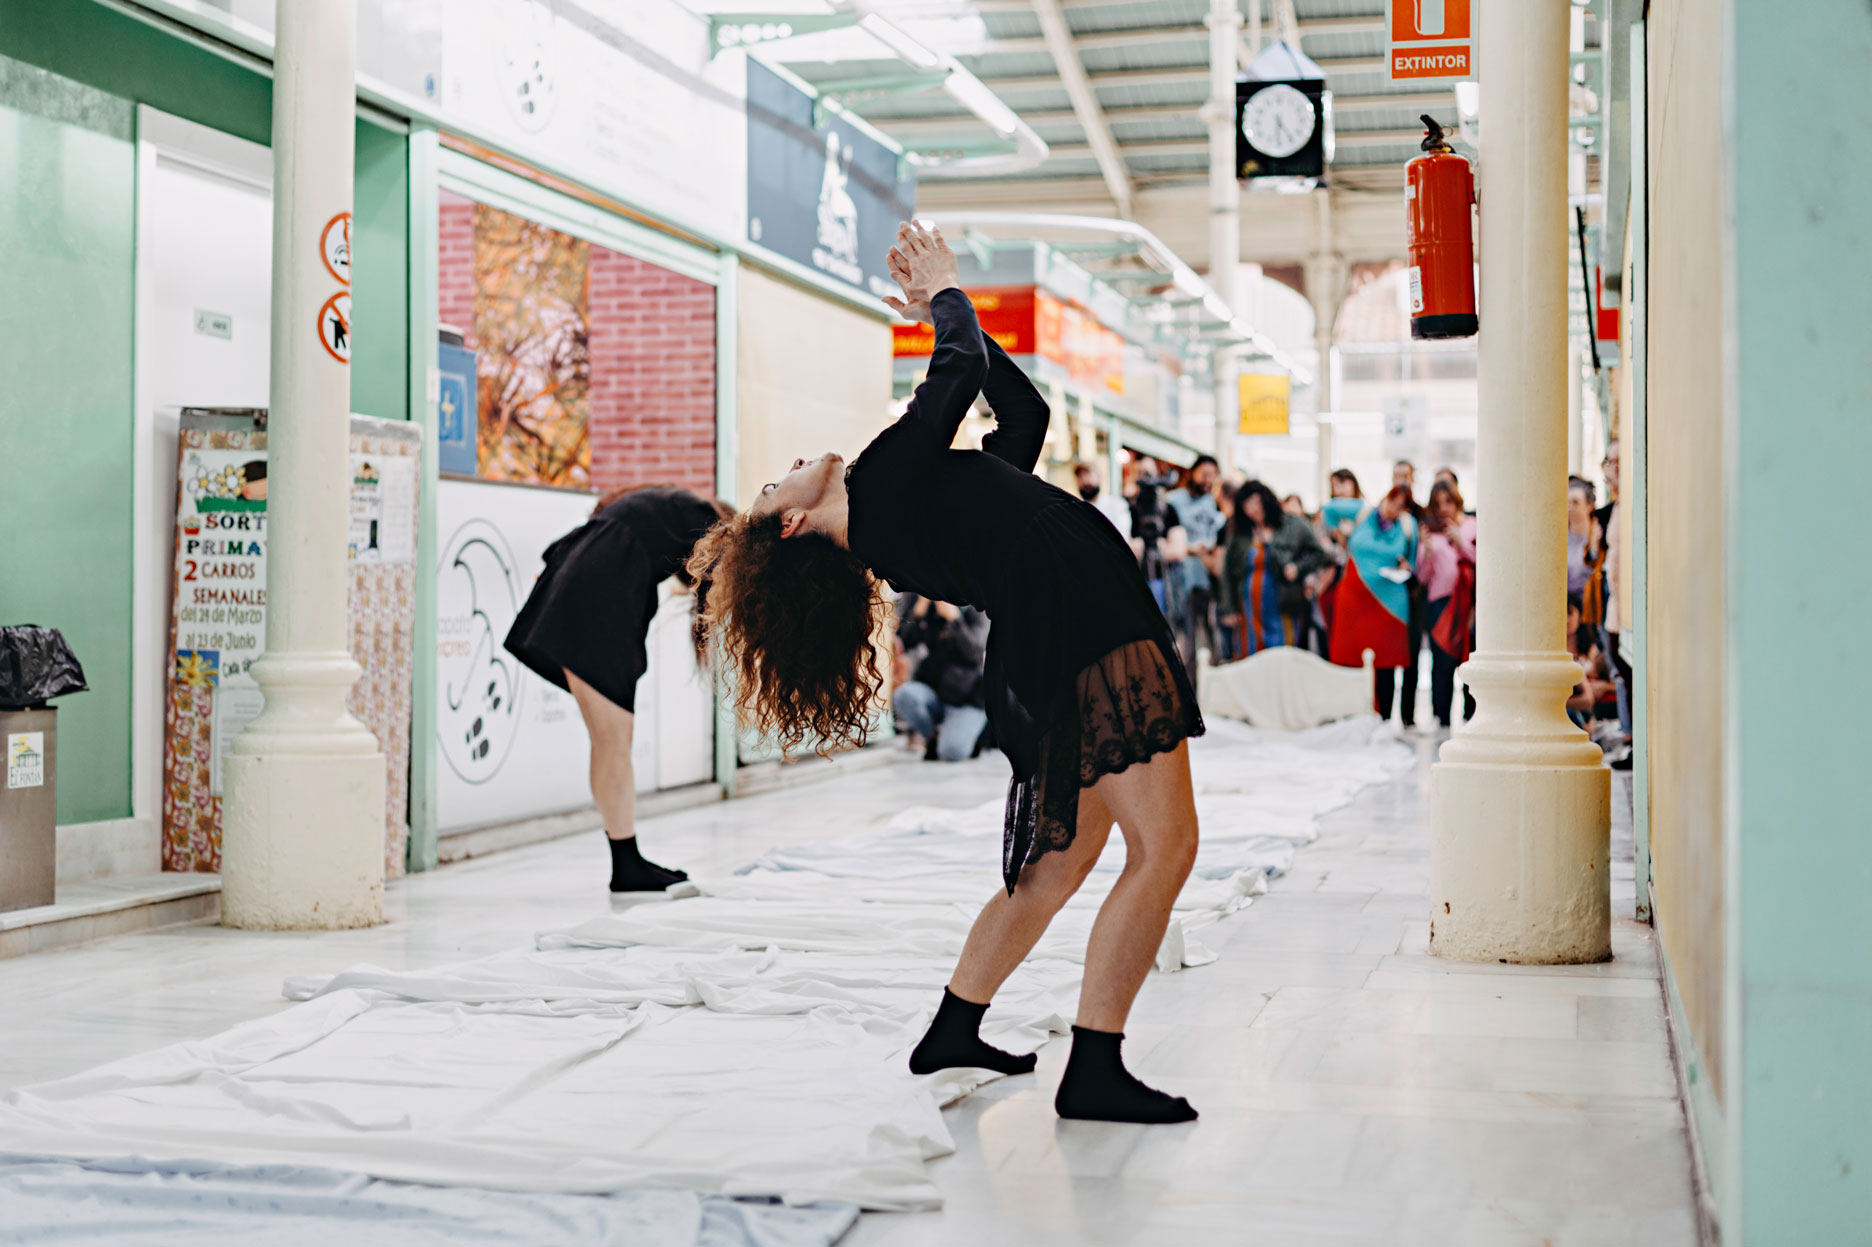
(942, 702)
(1595, 687)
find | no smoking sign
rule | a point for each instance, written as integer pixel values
(335, 247)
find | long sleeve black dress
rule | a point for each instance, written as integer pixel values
(591, 609)
(1082, 675)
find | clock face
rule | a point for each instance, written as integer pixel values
(1278, 120)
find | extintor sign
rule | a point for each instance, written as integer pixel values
(1430, 40)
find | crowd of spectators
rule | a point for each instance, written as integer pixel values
(1239, 569)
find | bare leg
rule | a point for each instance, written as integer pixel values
(1156, 809)
(613, 785)
(1009, 926)
(1154, 806)
(1004, 933)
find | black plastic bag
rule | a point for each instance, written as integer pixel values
(36, 664)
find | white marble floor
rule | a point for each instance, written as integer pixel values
(1353, 1089)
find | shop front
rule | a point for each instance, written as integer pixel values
(574, 273)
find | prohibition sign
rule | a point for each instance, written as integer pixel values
(335, 247)
(334, 326)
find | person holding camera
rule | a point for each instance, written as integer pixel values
(942, 702)
(1157, 537)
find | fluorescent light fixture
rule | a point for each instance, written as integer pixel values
(908, 49)
(1468, 97)
(1185, 279)
(969, 91)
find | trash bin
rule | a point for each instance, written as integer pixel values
(35, 665)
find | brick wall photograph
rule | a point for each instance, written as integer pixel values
(652, 344)
(649, 356)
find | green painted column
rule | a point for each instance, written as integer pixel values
(381, 276)
(420, 307)
(1799, 150)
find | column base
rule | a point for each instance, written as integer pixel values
(1520, 864)
(302, 842)
(1521, 818)
(302, 818)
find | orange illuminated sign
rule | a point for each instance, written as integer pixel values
(1006, 315)
(1073, 338)
(1026, 321)
(1430, 40)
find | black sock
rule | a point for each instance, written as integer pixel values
(952, 1042)
(1097, 1086)
(630, 872)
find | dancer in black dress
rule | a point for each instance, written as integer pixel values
(583, 628)
(1083, 683)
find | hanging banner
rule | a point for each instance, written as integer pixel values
(1406, 426)
(820, 190)
(1265, 402)
(1430, 40)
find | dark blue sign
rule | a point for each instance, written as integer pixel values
(828, 196)
(457, 417)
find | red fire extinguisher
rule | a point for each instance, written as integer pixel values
(1438, 192)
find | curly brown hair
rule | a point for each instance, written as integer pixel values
(797, 619)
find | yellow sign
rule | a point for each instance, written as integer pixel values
(1264, 398)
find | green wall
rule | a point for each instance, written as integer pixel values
(135, 60)
(1800, 172)
(67, 190)
(71, 75)
(380, 364)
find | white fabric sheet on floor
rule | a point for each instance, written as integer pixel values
(1285, 689)
(193, 1205)
(747, 1041)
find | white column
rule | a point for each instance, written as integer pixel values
(1224, 22)
(1324, 275)
(1575, 409)
(303, 820)
(1520, 800)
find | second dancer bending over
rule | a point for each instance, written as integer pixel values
(1083, 684)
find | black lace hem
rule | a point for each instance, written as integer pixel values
(1133, 704)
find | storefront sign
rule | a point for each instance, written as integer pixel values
(1006, 315)
(1430, 40)
(825, 194)
(1072, 337)
(1264, 402)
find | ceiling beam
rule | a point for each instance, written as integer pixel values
(1187, 33)
(953, 123)
(1200, 146)
(1181, 75)
(1085, 103)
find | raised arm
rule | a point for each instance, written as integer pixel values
(1021, 415)
(923, 264)
(958, 369)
